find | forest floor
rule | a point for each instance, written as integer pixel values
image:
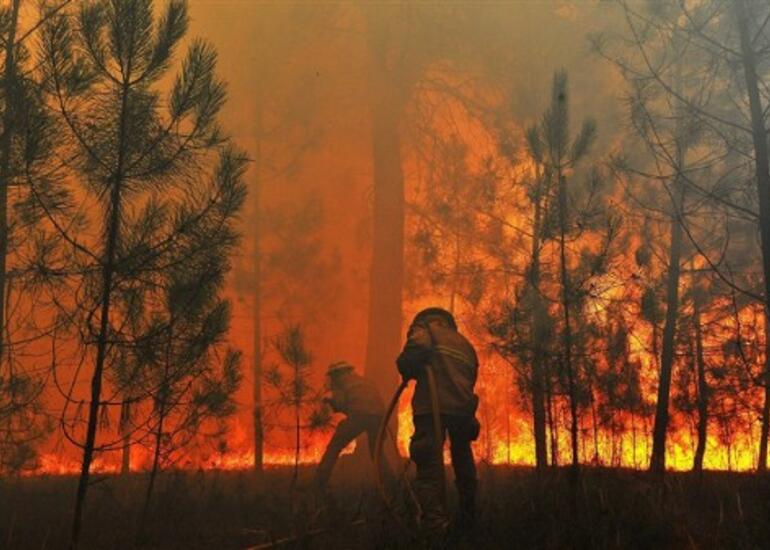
(518, 509)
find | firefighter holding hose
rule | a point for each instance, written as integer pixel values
(444, 365)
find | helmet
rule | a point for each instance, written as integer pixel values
(338, 368)
(436, 312)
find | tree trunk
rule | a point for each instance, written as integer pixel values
(154, 470)
(594, 425)
(633, 438)
(6, 141)
(125, 417)
(387, 268)
(551, 423)
(658, 459)
(113, 227)
(703, 389)
(761, 159)
(660, 428)
(297, 443)
(567, 334)
(538, 402)
(257, 336)
(163, 397)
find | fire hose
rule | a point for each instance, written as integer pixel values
(438, 431)
(438, 436)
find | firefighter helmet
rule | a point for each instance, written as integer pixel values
(436, 312)
(339, 367)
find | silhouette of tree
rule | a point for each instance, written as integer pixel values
(156, 177)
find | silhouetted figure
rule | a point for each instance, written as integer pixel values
(361, 403)
(433, 340)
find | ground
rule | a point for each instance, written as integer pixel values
(518, 509)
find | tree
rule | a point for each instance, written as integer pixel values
(719, 47)
(550, 145)
(178, 357)
(525, 326)
(276, 114)
(391, 82)
(682, 150)
(699, 296)
(26, 138)
(152, 174)
(749, 48)
(398, 62)
(455, 225)
(295, 391)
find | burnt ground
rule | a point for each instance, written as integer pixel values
(518, 509)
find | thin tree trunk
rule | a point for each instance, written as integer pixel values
(155, 462)
(567, 335)
(761, 159)
(6, 141)
(594, 425)
(257, 336)
(552, 424)
(658, 459)
(154, 470)
(297, 442)
(508, 432)
(164, 395)
(113, 227)
(703, 389)
(633, 438)
(125, 417)
(660, 428)
(538, 404)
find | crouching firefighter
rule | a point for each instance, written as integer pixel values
(445, 367)
(362, 405)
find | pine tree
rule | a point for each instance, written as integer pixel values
(153, 173)
(550, 146)
(27, 170)
(180, 356)
(295, 391)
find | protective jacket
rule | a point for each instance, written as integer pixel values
(455, 366)
(353, 395)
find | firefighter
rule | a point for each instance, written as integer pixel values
(434, 342)
(360, 402)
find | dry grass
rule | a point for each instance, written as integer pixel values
(611, 509)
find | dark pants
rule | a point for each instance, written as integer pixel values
(347, 430)
(462, 430)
